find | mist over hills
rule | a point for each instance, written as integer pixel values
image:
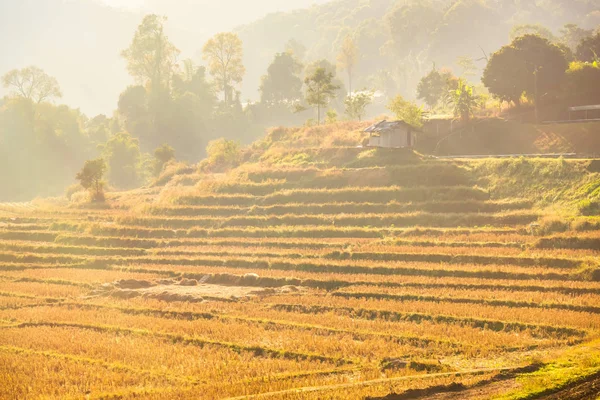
(79, 41)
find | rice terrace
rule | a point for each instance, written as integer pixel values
(365, 273)
(308, 199)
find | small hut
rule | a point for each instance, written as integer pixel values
(392, 134)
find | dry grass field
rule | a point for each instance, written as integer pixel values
(353, 274)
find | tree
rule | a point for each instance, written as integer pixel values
(90, 178)
(320, 89)
(347, 58)
(357, 104)
(432, 87)
(135, 116)
(530, 65)
(296, 49)
(122, 153)
(162, 155)
(33, 84)
(410, 27)
(151, 57)
(406, 111)
(464, 100)
(582, 83)
(224, 54)
(572, 35)
(467, 64)
(531, 29)
(282, 83)
(589, 49)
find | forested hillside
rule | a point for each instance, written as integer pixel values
(398, 40)
(171, 93)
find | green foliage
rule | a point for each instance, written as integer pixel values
(320, 89)
(282, 83)
(331, 117)
(582, 83)
(356, 104)
(91, 176)
(410, 25)
(223, 53)
(589, 207)
(589, 48)
(122, 153)
(464, 100)
(434, 87)
(406, 111)
(572, 35)
(162, 155)
(223, 154)
(528, 62)
(347, 58)
(531, 29)
(151, 57)
(42, 146)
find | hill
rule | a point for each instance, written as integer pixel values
(315, 269)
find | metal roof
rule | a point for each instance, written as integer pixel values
(585, 108)
(383, 126)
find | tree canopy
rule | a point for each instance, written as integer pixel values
(529, 65)
(151, 57)
(224, 54)
(282, 83)
(33, 84)
(320, 89)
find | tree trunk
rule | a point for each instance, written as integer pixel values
(350, 83)
(318, 114)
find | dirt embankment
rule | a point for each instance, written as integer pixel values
(498, 136)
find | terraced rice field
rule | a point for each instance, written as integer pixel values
(275, 287)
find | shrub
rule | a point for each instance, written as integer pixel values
(73, 189)
(588, 207)
(222, 154)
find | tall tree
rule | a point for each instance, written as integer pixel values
(282, 82)
(530, 65)
(347, 58)
(320, 89)
(33, 84)
(224, 54)
(151, 57)
(432, 87)
(572, 35)
(589, 48)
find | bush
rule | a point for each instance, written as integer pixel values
(553, 225)
(588, 207)
(73, 189)
(222, 154)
